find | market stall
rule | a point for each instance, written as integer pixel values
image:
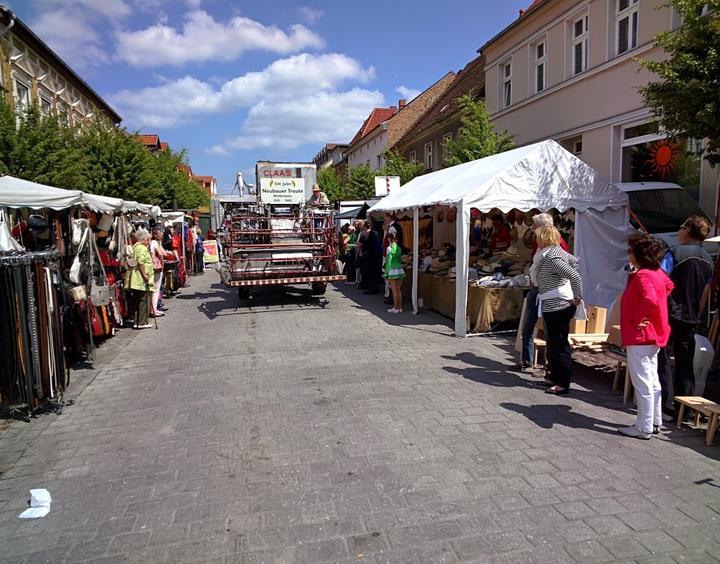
(61, 269)
(540, 177)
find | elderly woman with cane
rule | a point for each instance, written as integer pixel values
(139, 281)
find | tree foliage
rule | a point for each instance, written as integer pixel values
(97, 157)
(686, 98)
(398, 165)
(331, 184)
(477, 137)
(360, 183)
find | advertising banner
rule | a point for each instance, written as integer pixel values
(282, 191)
(210, 252)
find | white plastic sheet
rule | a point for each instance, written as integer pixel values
(40, 501)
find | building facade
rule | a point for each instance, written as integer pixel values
(330, 155)
(371, 141)
(31, 73)
(426, 140)
(568, 70)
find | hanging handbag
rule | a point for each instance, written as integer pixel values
(79, 226)
(156, 262)
(75, 267)
(99, 288)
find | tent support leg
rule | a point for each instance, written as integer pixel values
(416, 258)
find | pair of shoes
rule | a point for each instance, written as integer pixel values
(633, 431)
(557, 391)
(146, 326)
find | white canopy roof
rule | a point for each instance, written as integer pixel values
(539, 176)
(19, 193)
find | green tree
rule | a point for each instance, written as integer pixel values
(477, 137)
(331, 184)
(360, 183)
(686, 98)
(397, 165)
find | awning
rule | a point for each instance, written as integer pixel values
(18, 193)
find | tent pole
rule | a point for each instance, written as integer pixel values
(462, 251)
(416, 258)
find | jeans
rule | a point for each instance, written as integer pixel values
(528, 328)
(665, 376)
(642, 361)
(557, 325)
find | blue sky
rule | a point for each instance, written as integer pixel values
(237, 82)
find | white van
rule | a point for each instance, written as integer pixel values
(662, 207)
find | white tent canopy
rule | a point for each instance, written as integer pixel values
(539, 176)
(18, 193)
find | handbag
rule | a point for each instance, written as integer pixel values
(74, 274)
(99, 288)
(79, 227)
(156, 262)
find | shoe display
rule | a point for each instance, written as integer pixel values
(634, 432)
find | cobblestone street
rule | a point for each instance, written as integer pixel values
(324, 430)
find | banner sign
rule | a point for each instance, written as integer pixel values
(282, 191)
(210, 251)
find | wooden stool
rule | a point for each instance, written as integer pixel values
(621, 367)
(713, 424)
(539, 344)
(704, 406)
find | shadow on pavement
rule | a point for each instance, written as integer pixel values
(547, 416)
(264, 300)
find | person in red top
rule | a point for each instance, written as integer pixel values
(501, 238)
(644, 329)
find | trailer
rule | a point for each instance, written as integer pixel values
(278, 240)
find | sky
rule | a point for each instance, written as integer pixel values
(235, 82)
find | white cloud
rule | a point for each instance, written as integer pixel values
(72, 37)
(407, 93)
(310, 15)
(179, 101)
(112, 9)
(204, 39)
(194, 3)
(289, 123)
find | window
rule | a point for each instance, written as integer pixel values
(412, 156)
(22, 97)
(428, 155)
(577, 147)
(45, 106)
(446, 139)
(579, 45)
(626, 25)
(540, 66)
(379, 162)
(506, 70)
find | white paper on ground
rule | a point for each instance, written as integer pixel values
(34, 512)
(40, 501)
(40, 498)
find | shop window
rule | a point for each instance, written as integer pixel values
(663, 159)
(428, 156)
(579, 53)
(540, 66)
(626, 25)
(446, 139)
(506, 71)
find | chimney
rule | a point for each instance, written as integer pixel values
(402, 102)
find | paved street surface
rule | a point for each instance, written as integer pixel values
(306, 430)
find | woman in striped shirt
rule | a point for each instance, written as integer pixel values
(559, 294)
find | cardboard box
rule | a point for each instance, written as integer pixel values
(614, 336)
(596, 319)
(578, 326)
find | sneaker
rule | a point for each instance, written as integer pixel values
(158, 314)
(633, 431)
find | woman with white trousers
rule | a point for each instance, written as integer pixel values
(644, 329)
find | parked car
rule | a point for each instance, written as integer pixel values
(661, 208)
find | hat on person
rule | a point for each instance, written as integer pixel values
(316, 188)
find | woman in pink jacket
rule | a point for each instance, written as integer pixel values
(645, 329)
